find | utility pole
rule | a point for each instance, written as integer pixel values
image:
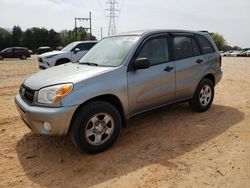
(89, 19)
(112, 15)
(101, 33)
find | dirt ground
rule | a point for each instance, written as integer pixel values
(169, 147)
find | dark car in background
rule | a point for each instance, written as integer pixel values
(15, 52)
(43, 49)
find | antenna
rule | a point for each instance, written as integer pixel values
(112, 15)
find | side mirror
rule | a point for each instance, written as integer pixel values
(141, 63)
(76, 50)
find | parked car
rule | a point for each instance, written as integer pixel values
(71, 53)
(233, 53)
(120, 77)
(15, 52)
(244, 53)
(247, 53)
(43, 49)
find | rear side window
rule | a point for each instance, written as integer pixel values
(185, 47)
(205, 45)
(156, 50)
(196, 49)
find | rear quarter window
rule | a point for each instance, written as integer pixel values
(205, 45)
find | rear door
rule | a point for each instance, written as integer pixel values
(189, 63)
(154, 86)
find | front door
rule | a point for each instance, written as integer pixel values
(77, 55)
(154, 86)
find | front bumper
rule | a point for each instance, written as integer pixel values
(35, 116)
(43, 66)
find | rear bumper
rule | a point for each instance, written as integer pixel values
(35, 116)
(218, 77)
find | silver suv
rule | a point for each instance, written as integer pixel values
(118, 78)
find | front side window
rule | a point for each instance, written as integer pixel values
(82, 47)
(206, 46)
(69, 47)
(7, 50)
(155, 50)
(110, 51)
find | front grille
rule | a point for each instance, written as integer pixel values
(40, 59)
(27, 93)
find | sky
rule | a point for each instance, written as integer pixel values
(231, 18)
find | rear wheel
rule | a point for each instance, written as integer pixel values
(203, 96)
(1, 57)
(96, 126)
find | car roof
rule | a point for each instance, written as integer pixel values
(43, 47)
(86, 41)
(156, 31)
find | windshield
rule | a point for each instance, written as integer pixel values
(70, 46)
(110, 51)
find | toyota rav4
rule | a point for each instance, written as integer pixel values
(118, 78)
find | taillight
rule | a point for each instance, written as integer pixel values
(220, 60)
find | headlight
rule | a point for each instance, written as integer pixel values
(54, 94)
(50, 56)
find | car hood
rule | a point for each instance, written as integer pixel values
(66, 73)
(55, 52)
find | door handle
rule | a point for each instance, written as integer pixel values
(199, 61)
(168, 68)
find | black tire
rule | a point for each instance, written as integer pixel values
(82, 121)
(196, 103)
(61, 62)
(1, 58)
(23, 57)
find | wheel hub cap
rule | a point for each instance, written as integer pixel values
(99, 128)
(205, 95)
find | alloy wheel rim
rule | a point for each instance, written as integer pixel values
(205, 95)
(99, 128)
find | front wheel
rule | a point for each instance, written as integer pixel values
(96, 126)
(203, 96)
(1, 57)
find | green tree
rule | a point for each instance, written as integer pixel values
(17, 36)
(5, 39)
(219, 41)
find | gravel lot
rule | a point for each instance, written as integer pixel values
(169, 147)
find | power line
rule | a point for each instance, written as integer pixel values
(86, 28)
(112, 15)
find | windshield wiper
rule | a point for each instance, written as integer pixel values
(88, 63)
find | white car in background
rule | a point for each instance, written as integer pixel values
(71, 53)
(247, 53)
(233, 53)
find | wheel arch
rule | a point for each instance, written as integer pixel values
(211, 77)
(62, 59)
(109, 98)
